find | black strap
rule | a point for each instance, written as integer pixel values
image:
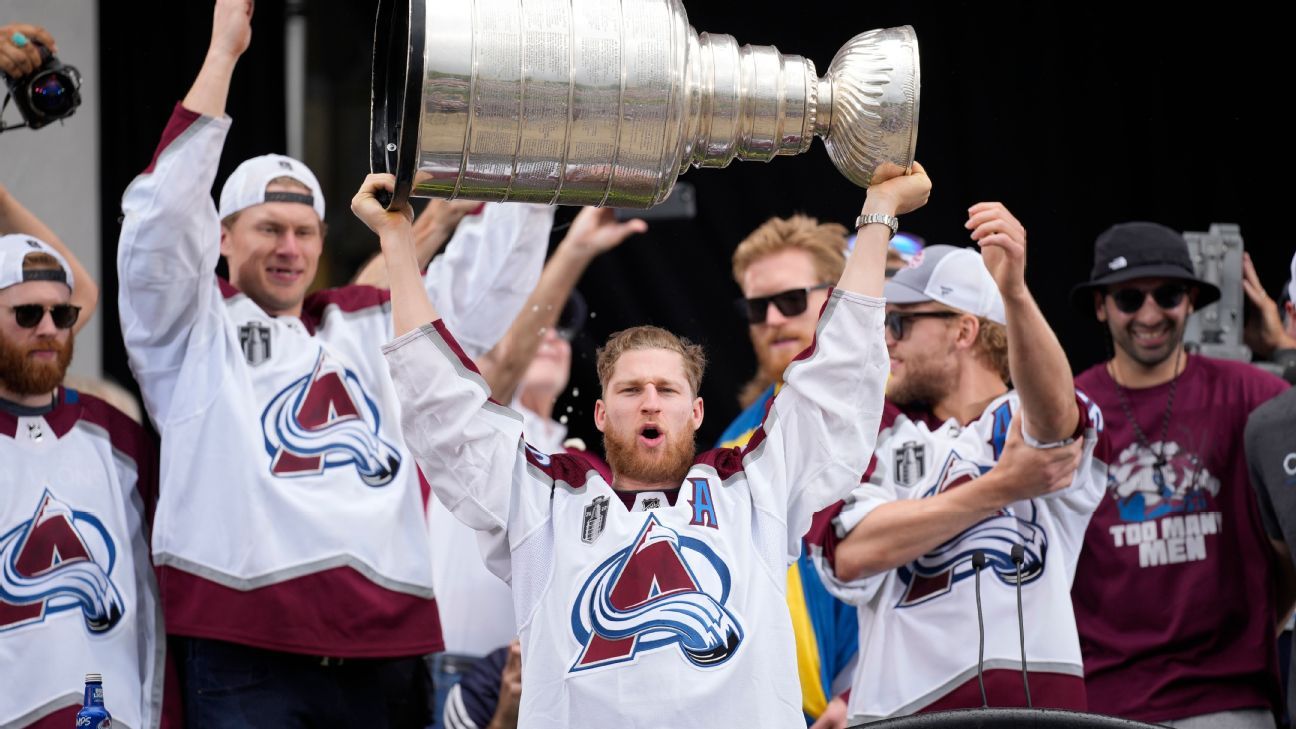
(45, 274)
(290, 197)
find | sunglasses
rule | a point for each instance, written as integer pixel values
(29, 316)
(1166, 296)
(792, 302)
(897, 321)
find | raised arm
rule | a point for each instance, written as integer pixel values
(594, 232)
(432, 229)
(170, 239)
(894, 194)
(231, 35)
(818, 434)
(1040, 371)
(15, 218)
(411, 305)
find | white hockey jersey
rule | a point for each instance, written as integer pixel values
(77, 591)
(476, 606)
(667, 614)
(291, 516)
(918, 623)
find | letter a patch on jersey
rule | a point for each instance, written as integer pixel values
(59, 559)
(327, 420)
(704, 512)
(662, 592)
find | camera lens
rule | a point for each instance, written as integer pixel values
(50, 95)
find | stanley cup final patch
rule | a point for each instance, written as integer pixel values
(595, 519)
(909, 463)
(255, 338)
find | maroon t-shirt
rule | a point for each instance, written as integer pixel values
(1174, 593)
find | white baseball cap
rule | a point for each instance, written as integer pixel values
(14, 249)
(246, 185)
(955, 277)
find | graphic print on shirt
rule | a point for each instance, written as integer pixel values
(1166, 512)
(59, 559)
(935, 573)
(327, 420)
(664, 591)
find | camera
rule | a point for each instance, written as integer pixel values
(50, 93)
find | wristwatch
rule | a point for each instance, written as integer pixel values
(889, 221)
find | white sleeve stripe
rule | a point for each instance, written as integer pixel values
(455, 714)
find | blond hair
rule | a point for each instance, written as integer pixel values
(650, 337)
(825, 243)
(991, 347)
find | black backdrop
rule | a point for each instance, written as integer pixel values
(1076, 117)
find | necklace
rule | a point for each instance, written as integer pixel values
(1158, 476)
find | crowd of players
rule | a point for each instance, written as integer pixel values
(342, 524)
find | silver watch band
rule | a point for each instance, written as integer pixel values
(889, 221)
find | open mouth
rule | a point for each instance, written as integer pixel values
(651, 436)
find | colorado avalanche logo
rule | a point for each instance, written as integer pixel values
(662, 591)
(935, 573)
(327, 420)
(59, 559)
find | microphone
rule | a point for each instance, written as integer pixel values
(1019, 556)
(978, 564)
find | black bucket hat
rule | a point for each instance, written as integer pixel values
(1141, 250)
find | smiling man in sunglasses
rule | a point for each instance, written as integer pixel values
(1175, 595)
(966, 465)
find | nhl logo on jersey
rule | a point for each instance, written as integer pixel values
(255, 338)
(327, 420)
(662, 592)
(595, 519)
(910, 466)
(60, 559)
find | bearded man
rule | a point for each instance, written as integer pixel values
(659, 596)
(1177, 593)
(79, 483)
(967, 472)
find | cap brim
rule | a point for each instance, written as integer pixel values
(899, 293)
(1207, 293)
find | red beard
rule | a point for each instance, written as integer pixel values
(23, 375)
(627, 459)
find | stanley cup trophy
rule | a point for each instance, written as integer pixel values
(598, 102)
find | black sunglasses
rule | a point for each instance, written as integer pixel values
(1166, 296)
(29, 316)
(792, 302)
(896, 320)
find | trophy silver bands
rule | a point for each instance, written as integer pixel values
(591, 102)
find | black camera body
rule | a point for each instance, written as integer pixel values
(48, 94)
